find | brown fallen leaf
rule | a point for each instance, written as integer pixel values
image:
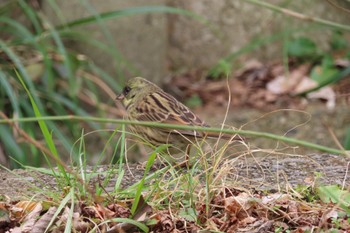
(43, 222)
(22, 208)
(240, 205)
(325, 93)
(141, 213)
(30, 218)
(287, 84)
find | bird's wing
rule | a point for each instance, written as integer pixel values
(162, 107)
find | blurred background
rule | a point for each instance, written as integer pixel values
(259, 58)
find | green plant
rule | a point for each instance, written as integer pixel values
(60, 80)
(347, 139)
(324, 72)
(55, 76)
(335, 194)
(300, 48)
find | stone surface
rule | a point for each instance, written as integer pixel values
(231, 25)
(138, 40)
(273, 172)
(157, 44)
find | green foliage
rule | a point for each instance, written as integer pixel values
(334, 194)
(140, 187)
(307, 192)
(189, 214)
(54, 77)
(47, 135)
(60, 80)
(222, 68)
(225, 65)
(194, 101)
(338, 41)
(325, 71)
(303, 47)
(347, 140)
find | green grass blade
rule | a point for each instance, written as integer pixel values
(82, 37)
(17, 30)
(10, 93)
(109, 38)
(129, 12)
(63, 203)
(142, 226)
(335, 78)
(150, 162)
(347, 139)
(67, 61)
(11, 146)
(56, 9)
(47, 135)
(121, 159)
(31, 14)
(73, 107)
(19, 65)
(69, 223)
(111, 81)
(26, 37)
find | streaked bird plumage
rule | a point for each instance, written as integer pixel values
(145, 101)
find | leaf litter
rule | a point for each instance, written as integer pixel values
(261, 86)
(230, 210)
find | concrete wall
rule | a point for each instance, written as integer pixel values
(140, 39)
(233, 24)
(157, 44)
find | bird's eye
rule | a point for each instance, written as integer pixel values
(126, 90)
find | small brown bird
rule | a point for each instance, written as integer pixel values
(145, 101)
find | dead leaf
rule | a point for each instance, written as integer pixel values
(31, 218)
(22, 208)
(141, 212)
(274, 197)
(287, 84)
(239, 205)
(248, 220)
(325, 93)
(331, 214)
(305, 85)
(43, 222)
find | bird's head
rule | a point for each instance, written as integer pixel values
(135, 88)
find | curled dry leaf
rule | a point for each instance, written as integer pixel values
(288, 84)
(239, 205)
(325, 93)
(141, 215)
(118, 211)
(30, 218)
(276, 198)
(78, 222)
(22, 208)
(165, 222)
(44, 221)
(305, 85)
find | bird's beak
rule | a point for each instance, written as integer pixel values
(120, 97)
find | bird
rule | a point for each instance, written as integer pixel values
(145, 101)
